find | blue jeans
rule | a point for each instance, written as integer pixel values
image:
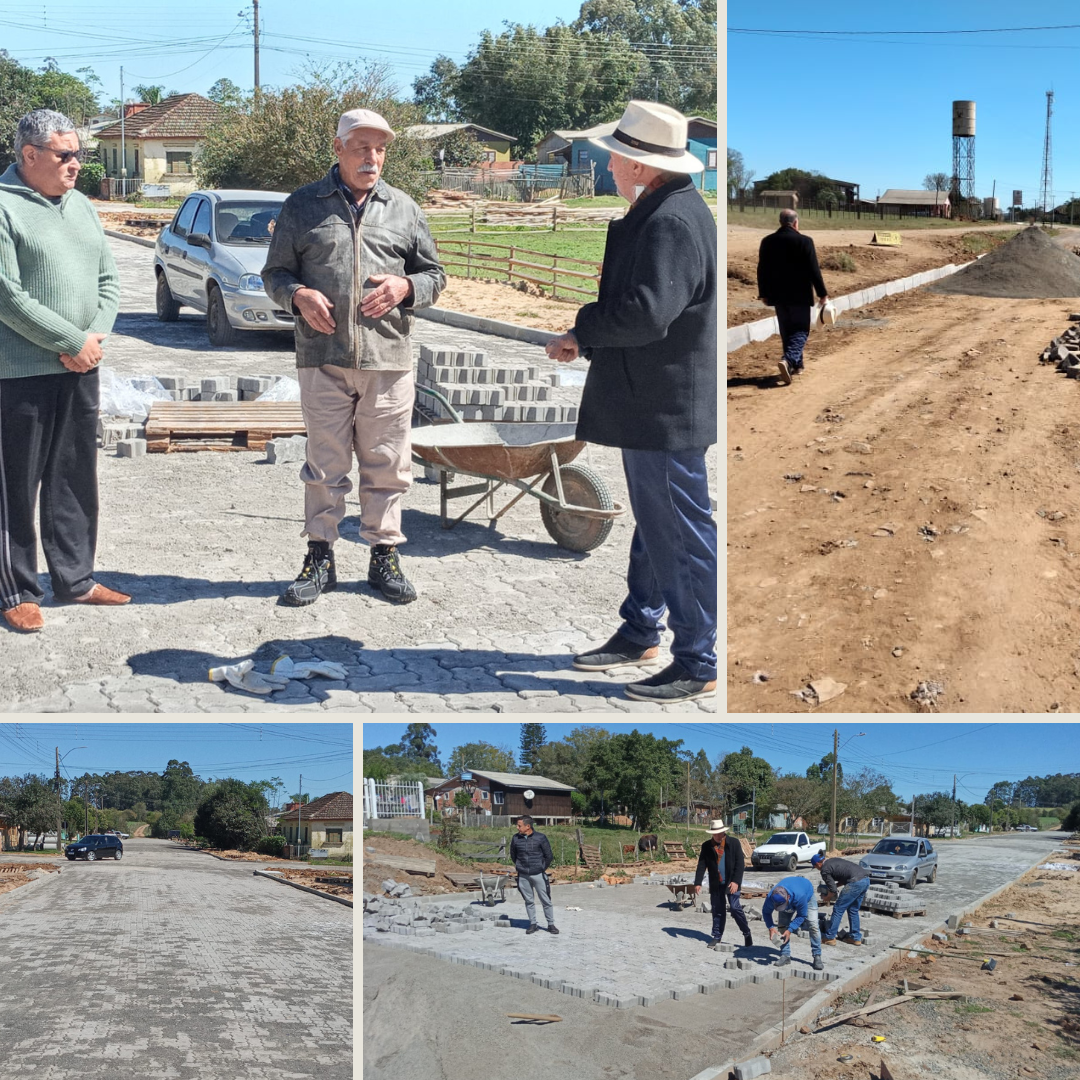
(673, 561)
(849, 900)
(811, 925)
(794, 322)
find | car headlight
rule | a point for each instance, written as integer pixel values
(251, 282)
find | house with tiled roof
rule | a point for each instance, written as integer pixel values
(325, 822)
(159, 144)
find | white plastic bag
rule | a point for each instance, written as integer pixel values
(285, 389)
(129, 396)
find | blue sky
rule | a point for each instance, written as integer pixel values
(876, 108)
(917, 757)
(321, 752)
(189, 46)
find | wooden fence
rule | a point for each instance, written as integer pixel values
(510, 185)
(547, 217)
(479, 258)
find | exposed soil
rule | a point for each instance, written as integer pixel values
(14, 875)
(1021, 1019)
(919, 250)
(902, 518)
(311, 879)
(375, 873)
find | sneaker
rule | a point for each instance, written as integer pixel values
(552, 929)
(384, 573)
(785, 372)
(532, 928)
(671, 684)
(317, 576)
(819, 964)
(617, 652)
(797, 369)
(713, 943)
(783, 961)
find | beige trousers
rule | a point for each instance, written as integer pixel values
(368, 413)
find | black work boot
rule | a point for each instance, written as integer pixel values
(317, 576)
(384, 573)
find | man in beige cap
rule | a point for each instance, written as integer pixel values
(651, 390)
(352, 257)
(723, 860)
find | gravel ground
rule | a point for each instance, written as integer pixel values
(206, 542)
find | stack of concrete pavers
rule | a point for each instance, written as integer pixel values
(480, 391)
(401, 913)
(887, 897)
(1064, 352)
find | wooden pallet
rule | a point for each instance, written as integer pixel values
(899, 914)
(220, 425)
(673, 849)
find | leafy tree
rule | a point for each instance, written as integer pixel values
(823, 771)
(935, 808)
(533, 737)
(462, 799)
(66, 93)
(152, 95)
(1000, 795)
(90, 176)
(481, 755)
(303, 799)
(180, 787)
(804, 798)
(742, 773)
(283, 139)
(435, 93)
(233, 815)
(631, 770)
(738, 175)
(977, 814)
(226, 93)
(381, 764)
(30, 803)
(459, 150)
(416, 744)
(1071, 822)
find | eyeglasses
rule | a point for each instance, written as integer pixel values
(64, 155)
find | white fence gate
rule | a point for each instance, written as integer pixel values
(386, 800)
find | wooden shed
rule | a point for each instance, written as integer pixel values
(503, 794)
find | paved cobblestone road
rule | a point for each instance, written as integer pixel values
(206, 542)
(172, 964)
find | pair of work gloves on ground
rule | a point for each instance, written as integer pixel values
(244, 676)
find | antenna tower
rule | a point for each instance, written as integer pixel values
(1046, 194)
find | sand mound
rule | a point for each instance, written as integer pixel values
(1030, 266)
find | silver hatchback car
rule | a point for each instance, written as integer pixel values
(210, 257)
(904, 859)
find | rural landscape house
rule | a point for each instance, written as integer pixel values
(496, 144)
(502, 794)
(160, 142)
(326, 822)
(899, 202)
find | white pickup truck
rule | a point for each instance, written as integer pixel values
(785, 851)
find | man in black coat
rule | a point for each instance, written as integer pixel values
(651, 391)
(722, 859)
(531, 855)
(788, 276)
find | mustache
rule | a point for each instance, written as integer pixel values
(367, 168)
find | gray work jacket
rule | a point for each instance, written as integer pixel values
(318, 244)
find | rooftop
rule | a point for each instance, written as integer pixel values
(181, 116)
(337, 806)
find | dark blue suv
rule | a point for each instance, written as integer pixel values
(96, 846)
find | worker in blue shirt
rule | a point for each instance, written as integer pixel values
(795, 903)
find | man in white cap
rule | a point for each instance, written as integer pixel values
(651, 390)
(723, 860)
(352, 257)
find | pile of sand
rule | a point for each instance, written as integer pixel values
(1030, 266)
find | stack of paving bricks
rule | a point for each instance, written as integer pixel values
(215, 387)
(1064, 352)
(479, 391)
(404, 915)
(886, 897)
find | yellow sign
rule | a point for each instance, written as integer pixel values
(890, 239)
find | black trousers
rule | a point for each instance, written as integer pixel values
(719, 903)
(48, 456)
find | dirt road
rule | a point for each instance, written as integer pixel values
(906, 513)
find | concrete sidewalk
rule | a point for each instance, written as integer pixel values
(206, 543)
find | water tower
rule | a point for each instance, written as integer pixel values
(963, 151)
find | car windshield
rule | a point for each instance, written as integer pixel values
(895, 847)
(239, 223)
(783, 838)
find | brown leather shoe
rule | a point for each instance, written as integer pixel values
(828, 941)
(26, 618)
(100, 596)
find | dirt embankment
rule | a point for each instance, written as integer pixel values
(375, 873)
(1022, 1019)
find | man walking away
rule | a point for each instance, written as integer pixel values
(531, 855)
(849, 881)
(59, 295)
(788, 276)
(722, 858)
(352, 259)
(795, 903)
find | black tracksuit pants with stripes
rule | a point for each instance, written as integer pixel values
(48, 455)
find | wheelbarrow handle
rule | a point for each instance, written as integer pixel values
(454, 414)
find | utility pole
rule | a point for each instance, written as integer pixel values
(688, 800)
(123, 144)
(299, 803)
(59, 802)
(256, 3)
(835, 754)
(86, 804)
(952, 831)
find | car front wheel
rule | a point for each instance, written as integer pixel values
(933, 875)
(168, 310)
(91, 856)
(793, 862)
(218, 328)
(910, 883)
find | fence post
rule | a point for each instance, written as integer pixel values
(555, 217)
(510, 265)
(472, 224)
(554, 273)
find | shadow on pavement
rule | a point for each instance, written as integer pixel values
(683, 932)
(190, 329)
(762, 382)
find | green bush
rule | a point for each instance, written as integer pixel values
(233, 815)
(271, 845)
(90, 177)
(187, 830)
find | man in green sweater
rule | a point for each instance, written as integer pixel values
(59, 295)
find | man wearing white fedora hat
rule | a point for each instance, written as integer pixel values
(722, 859)
(651, 391)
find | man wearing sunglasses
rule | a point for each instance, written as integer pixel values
(59, 295)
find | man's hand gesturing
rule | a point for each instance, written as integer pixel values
(315, 308)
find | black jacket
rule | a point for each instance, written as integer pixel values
(651, 334)
(788, 271)
(837, 872)
(530, 854)
(734, 864)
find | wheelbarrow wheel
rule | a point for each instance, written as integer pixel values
(581, 487)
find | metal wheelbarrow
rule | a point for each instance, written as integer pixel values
(682, 894)
(575, 505)
(491, 888)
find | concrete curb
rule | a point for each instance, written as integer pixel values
(20, 890)
(303, 888)
(487, 326)
(770, 1039)
(134, 239)
(738, 336)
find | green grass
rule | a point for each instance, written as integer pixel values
(816, 220)
(1063, 935)
(973, 1007)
